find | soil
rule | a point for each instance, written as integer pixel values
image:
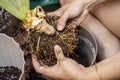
(42, 45)
(9, 73)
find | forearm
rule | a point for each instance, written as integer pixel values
(110, 68)
(107, 69)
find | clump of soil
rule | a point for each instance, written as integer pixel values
(43, 46)
(9, 73)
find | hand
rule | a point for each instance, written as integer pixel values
(76, 9)
(63, 2)
(65, 69)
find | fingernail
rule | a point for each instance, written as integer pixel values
(56, 47)
(59, 28)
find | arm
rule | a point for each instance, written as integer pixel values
(110, 68)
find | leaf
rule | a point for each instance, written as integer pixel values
(18, 8)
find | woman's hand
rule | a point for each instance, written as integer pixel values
(72, 9)
(63, 2)
(65, 69)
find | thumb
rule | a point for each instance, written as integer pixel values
(59, 53)
(62, 21)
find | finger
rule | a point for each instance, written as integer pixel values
(58, 12)
(62, 21)
(59, 53)
(81, 18)
(40, 68)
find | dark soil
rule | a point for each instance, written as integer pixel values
(9, 73)
(67, 39)
(42, 45)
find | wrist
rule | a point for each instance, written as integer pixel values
(90, 1)
(87, 1)
(93, 3)
(90, 4)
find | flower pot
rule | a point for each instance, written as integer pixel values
(11, 54)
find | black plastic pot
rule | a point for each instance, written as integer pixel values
(87, 46)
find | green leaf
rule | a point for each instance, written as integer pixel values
(18, 8)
